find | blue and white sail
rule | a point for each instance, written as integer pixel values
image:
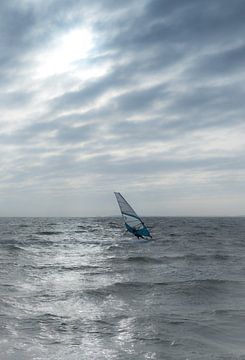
(133, 222)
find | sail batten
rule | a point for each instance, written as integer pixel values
(133, 222)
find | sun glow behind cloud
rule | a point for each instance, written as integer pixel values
(67, 50)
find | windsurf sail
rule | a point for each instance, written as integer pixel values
(133, 222)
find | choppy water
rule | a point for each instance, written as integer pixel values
(73, 288)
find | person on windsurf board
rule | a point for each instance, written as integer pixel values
(133, 222)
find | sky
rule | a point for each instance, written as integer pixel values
(142, 97)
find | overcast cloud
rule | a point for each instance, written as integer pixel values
(141, 97)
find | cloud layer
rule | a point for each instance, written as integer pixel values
(147, 99)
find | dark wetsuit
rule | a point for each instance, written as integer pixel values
(135, 232)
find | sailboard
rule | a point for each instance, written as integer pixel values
(133, 222)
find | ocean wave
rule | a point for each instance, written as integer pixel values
(113, 225)
(114, 247)
(61, 267)
(144, 259)
(49, 233)
(168, 258)
(118, 288)
(232, 313)
(124, 287)
(207, 282)
(206, 257)
(38, 243)
(14, 247)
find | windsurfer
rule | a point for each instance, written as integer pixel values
(133, 222)
(135, 232)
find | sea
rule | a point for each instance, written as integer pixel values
(84, 289)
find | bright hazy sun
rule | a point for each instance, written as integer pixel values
(69, 48)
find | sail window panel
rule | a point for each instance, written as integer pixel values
(124, 205)
(133, 222)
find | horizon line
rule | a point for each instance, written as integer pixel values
(109, 216)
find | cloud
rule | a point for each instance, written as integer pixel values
(224, 63)
(155, 105)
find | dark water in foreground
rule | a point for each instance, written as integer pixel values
(77, 289)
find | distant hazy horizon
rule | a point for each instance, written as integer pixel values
(118, 216)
